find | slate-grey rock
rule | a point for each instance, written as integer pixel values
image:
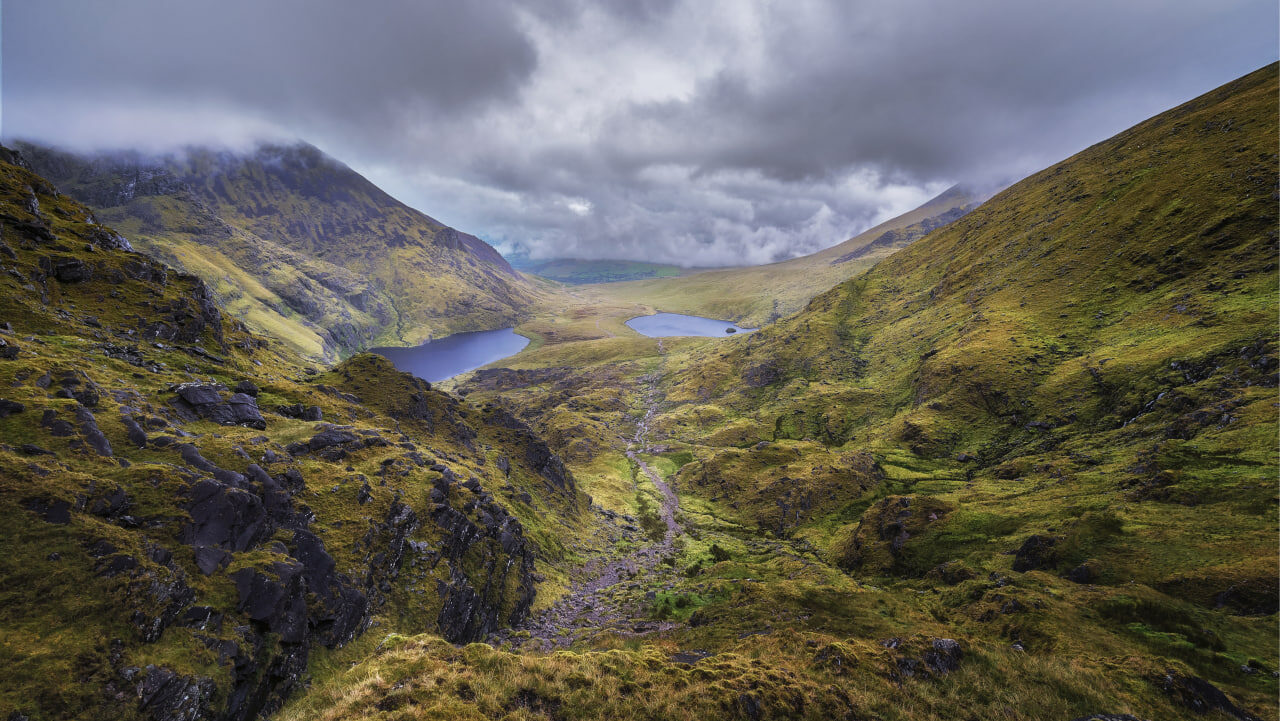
(8, 408)
(247, 387)
(56, 426)
(210, 560)
(92, 434)
(1086, 572)
(943, 655)
(134, 432)
(199, 394)
(245, 412)
(341, 609)
(71, 270)
(192, 457)
(166, 696)
(278, 601)
(224, 517)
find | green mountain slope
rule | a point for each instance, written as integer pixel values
(191, 517)
(1045, 433)
(297, 244)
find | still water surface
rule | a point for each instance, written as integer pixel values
(663, 325)
(446, 357)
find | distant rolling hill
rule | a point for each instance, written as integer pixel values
(577, 271)
(756, 295)
(297, 244)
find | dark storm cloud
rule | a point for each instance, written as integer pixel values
(691, 131)
(350, 66)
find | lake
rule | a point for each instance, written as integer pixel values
(446, 357)
(663, 325)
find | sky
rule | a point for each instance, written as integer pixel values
(692, 132)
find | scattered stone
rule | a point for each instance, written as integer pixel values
(8, 408)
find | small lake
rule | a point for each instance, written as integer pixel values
(663, 325)
(446, 357)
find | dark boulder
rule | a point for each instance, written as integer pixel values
(191, 456)
(112, 504)
(134, 432)
(52, 511)
(199, 394)
(1199, 695)
(330, 438)
(760, 375)
(9, 350)
(943, 655)
(78, 386)
(55, 425)
(1037, 552)
(92, 434)
(8, 408)
(247, 387)
(1086, 572)
(301, 412)
(204, 401)
(71, 270)
(244, 411)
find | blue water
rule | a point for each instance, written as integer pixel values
(458, 353)
(662, 325)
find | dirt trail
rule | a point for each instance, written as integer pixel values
(610, 593)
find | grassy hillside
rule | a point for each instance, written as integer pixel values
(1045, 432)
(757, 295)
(193, 516)
(298, 245)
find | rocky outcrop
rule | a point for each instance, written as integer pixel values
(1200, 695)
(1037, 552)
(880, 541)
(205, 401)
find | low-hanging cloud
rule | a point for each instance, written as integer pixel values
(697, 132)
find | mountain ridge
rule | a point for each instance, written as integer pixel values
(298, 243)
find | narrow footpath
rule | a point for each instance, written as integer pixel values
(611, 593)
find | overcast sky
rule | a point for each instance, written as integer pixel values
(696, 132)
